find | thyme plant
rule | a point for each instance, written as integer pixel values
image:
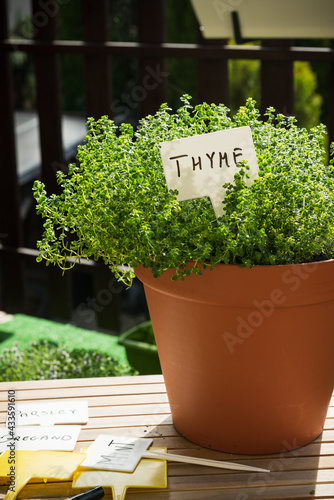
(116, 206)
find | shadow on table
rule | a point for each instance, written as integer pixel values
(294, 471)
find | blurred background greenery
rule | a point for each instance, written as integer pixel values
(310, 79)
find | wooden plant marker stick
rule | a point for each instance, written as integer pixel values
(123, 454)
(202, 461)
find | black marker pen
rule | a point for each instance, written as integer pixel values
(93, 494)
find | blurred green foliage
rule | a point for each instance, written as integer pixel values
(308, 102)
(310, 80)
(45, 360)
(245, 81)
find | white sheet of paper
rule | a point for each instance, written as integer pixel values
(56, 437)
(117, 453)
(199, 165)
(53, 412)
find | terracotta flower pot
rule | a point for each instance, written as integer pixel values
(247, 354)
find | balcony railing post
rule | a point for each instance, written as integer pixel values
(10, 223)
(331, 101)
(213, 75)
(277, 81)
(47, 70)
(48, 96)
(153, 74)
(11, 269)
(95, 17)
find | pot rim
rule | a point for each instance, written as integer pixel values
(229, 284)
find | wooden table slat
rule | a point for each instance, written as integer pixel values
(82, 382)
(110, 401)
(84, 392)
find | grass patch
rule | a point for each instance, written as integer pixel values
(23, 329)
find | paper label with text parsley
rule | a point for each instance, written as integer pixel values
(74, 411)
(200, 165)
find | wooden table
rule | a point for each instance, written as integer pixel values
(138, 406)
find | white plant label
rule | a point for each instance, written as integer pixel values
(116, 453)
(200, 165)
(55, 437)
(54, 412)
